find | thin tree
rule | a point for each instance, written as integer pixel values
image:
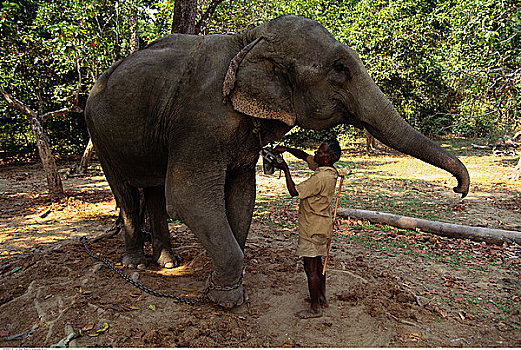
(185, 17)
(54, 182)
(133, 24)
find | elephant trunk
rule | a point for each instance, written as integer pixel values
(392, 130)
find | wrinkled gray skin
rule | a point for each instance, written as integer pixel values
(177, 119)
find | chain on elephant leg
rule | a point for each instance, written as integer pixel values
(226, 296)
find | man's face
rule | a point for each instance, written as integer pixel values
(321, 155)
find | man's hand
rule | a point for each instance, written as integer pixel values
(296, 152)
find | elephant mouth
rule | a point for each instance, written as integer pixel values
(347, 116)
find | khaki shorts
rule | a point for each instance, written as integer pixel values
(309, 249)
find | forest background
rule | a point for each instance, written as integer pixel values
(450, 67)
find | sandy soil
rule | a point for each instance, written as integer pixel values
(378, 297)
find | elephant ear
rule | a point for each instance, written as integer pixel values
(256, 85)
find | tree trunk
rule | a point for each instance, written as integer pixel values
(479, 234)
(370, 142)
(85, 159)
(54, 182)
(184, 16)
(133, 23)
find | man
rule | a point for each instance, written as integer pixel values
(314, 218)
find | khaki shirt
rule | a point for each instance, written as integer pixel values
(316, 194)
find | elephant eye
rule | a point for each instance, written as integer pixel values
(340, 67)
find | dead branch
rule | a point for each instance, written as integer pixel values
(17, 104)
(479, 234)
(62, 111)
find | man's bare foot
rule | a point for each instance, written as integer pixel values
(309, 313)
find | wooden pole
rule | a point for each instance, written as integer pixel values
(332, 224)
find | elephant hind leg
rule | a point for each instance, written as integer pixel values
(127, 198)
(134, 237)
(128, 201)
(156, 207)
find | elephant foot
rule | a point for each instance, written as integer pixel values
(167, 259)
(133, 261)
(226, 296)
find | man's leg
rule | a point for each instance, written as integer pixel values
(314, 286)
(322, 298)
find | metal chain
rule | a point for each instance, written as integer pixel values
(145, 289)
(212, 285)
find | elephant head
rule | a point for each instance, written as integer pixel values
(293, 70)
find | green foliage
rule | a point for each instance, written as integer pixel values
(483, 66)
(448, 66)
(236, 16)
(397, 41)
(156, 21)
(45, 49)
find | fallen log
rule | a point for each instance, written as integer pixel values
(481, 146)
(478, 234)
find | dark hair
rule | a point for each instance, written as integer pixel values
(333, 149)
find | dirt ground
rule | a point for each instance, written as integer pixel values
(379, 297)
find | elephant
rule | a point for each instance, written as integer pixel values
(185, 118)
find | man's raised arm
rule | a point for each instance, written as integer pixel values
(296, 152)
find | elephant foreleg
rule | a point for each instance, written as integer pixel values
(198, 197)
(240, 200)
